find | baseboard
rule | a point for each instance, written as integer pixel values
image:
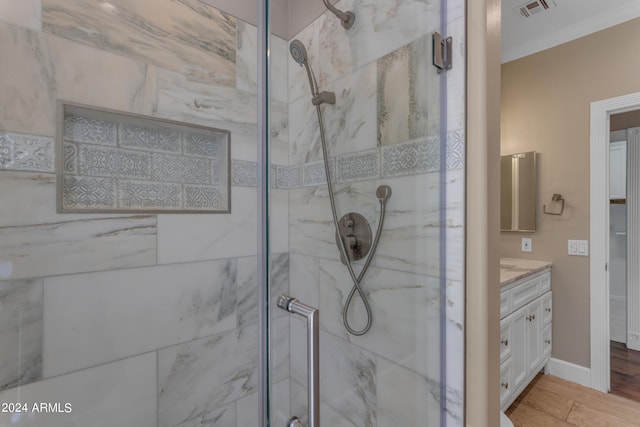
(569, 371)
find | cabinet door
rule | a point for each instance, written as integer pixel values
(547, 309)
(519, 341)
(506, 383)
(618, 170)
(546, 341)
(505, 339)
(534, 334)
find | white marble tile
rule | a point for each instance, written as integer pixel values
(406, 398)
(120, 393)
(279, 54)
(304, 132)
(350, 123)
(347, 383)
(456, 81)
(247, 408)
(381, 27)
(279, 125)
(408, 94)
(279, 221)
(311, 225)
(411, 233)
(185, 99)
(189, 301)
(455, 363)
(184, 238)
(405, 314)
(20, 332)
(246, 57)
(78, 246)
(304, 279)
(298, 80)
(28, 74)
(26, 13)
(188, 37)
(93, 77)
(198, 378)
(248, 286)
(30, 198)
(328, 417)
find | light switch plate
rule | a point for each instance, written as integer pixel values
(526, 244)
(578, 247)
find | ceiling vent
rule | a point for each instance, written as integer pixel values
(534, 7)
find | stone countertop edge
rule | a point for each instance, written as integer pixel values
(513, 269)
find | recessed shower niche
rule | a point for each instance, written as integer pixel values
(110, 161)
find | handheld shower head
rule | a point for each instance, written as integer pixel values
(298, 52)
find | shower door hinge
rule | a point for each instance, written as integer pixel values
(442, 48)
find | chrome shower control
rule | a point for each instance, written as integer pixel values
(356, 234)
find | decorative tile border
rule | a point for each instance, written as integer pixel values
(119, 162)
(410, 158)
(358, 166)
(314, 174)
(289, 177)
(26, 152)
(244, 173)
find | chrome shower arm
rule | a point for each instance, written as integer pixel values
(347, 18)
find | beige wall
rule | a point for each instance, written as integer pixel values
(482, 243)
(546, 101)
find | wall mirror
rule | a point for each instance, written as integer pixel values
(518, 192)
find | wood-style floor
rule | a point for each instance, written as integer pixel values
(625, 372)
(552, 402)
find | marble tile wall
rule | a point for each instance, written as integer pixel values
(155, 315)
(383, 129)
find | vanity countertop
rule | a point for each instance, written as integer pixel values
(512, 269)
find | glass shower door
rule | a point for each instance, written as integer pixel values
(396, 122)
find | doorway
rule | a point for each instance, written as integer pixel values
(601, 112)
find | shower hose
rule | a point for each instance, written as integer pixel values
(382, 194)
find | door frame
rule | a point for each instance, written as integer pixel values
(599, 231)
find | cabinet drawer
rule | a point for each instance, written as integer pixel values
(547, 308)
(506, 383)
(506, 303)
(545, 283)
(546, 341)
(505, 339)
(525, 293)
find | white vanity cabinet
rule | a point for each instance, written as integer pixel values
(525, 333)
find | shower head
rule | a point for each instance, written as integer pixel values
(298, 52)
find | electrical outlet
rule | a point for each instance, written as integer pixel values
(526, 244)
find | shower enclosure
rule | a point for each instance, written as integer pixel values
(154, 311)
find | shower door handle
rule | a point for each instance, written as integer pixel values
(312, 314)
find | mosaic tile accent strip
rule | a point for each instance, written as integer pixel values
(202, 145)
(154, 165)
(188, 170)
(88, 130)
(70, 158)
(89, 192)
(410, 158)
(314, 173)
(26, 153)
(95, 160)
(455, 149)
(149, 138)
(244, 174)
(289, 177)
(145, 195)
(201, 197)
(358, 166)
